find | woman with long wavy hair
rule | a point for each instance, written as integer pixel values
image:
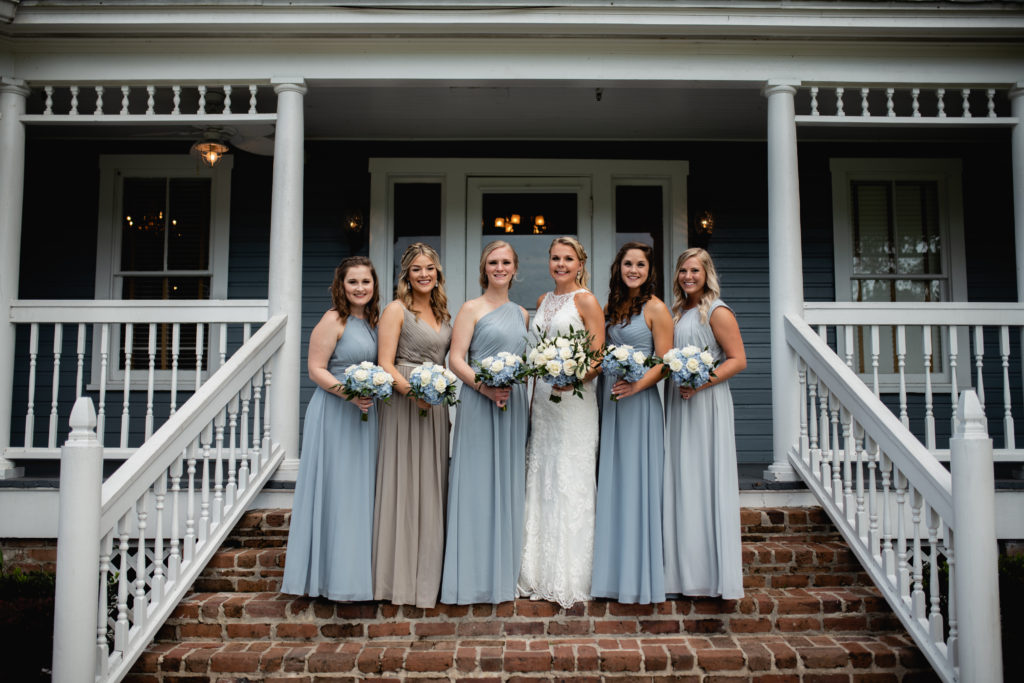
(628, 559)
(702, 508)
(332, 517)
(412, 463)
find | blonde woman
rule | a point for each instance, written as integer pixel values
(558, 547)
(412, 461)
(701, 521)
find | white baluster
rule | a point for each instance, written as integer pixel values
(864, 102)
(848, 338)
(159, 575)
(888, 556)
(874, 537)
(175, 352)
(858, 472)
(953, 641)
(227, 100)
(99, 101)
(174, 554)
(128, 333)
(901, 363)
(979, 363)
(934, 615)
(188, 552)
(150, 100)
(814, 450)
(265, 443)
(204, 502)
(917, 595)
(80, 360)
(176, 100)
(139, 608)
(30, 408)
(839, 102)
(101, 410)
(929, 414)
(246, 332)
(966, 93)
(889, 110)
(915, 105)
(150, 379)
(124, 100)
(252, 99)
(202, 100)
(801, 374)
(102, 651)
(875, 346)
(954, 393)
(243, 440)
(232, 486)
(1004, 354)
(826, 445)
(846, 503)
(991, 94)
(200, 329)
(941, 104)
(74, 101)
(218, 469)
(837, 453)
(48, 106)
(58, 342)
(257, 433)
(222, 345)
(121, 624)
(902, 566)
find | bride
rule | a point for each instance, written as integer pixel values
(561, 489)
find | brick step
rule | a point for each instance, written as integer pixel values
(777, 563)
(775, 658)
(273, 616)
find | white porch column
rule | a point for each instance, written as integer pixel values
(284, 288)
(12, 187)
(1017, 159)
(785, 271)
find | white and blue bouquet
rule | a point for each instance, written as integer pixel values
(435, 384)
(500, 370)
(622, 361)
(562, 361)
(690, 366)
(366, 380)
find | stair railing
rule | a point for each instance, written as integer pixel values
(925, 537)
(128, 554)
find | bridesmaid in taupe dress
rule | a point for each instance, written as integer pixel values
(412, 460)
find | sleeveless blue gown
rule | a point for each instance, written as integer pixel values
(330, 535)
(628, 561)
(487, 477)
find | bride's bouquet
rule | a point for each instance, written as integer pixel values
(624, 362)
(690, 366)
(501, 370)
(435, 384)
(562, 360)
(366, 380)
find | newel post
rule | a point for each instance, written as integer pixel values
(977, 575)
(78, 550)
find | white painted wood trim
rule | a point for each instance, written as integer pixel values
(148, 119)
(855, 120)
(902, 313)
(138, 311)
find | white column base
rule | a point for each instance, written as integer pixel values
(8, 470)
(780, 472)
(288, 470)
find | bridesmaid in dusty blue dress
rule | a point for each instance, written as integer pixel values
(332, 514)
(703, 554)
(628, 558)
(487, 478)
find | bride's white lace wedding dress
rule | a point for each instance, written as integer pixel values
(561, 486)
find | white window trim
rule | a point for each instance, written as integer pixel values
(947, 173)
(108, 247)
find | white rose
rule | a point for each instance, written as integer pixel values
(706, 358)
(675, 365)
(381, 378)
(439, 384)
(570, 365)
(565, 353)
(361, 375)
(366, 364)
(486, 361)
(532, 357)
(690, 350)
(553, 368)
(639, 358)
(349, 369)
(497, 366)
(449, 376)
(561, 342)
(550, 353)
(620, 353)
(581, 372)
(692, 365)
(424, 379)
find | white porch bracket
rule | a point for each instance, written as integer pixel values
(784, 269)
(13, 94)
(284, 288)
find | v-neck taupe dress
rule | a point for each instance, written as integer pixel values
(412, 480)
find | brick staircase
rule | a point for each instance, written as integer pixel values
(810, 614)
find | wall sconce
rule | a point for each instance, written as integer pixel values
(354, 222)
(509, 223)
(706, 223)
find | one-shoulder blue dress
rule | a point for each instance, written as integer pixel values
(329, 539)
(487, 478)
(628, 559)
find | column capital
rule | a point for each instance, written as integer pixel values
(9, 84)
(1017, 90)
(290, 84)
(774, 86)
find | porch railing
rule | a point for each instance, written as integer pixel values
(137, 360)
(934, 352)
(127, 556)
(926, 539)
